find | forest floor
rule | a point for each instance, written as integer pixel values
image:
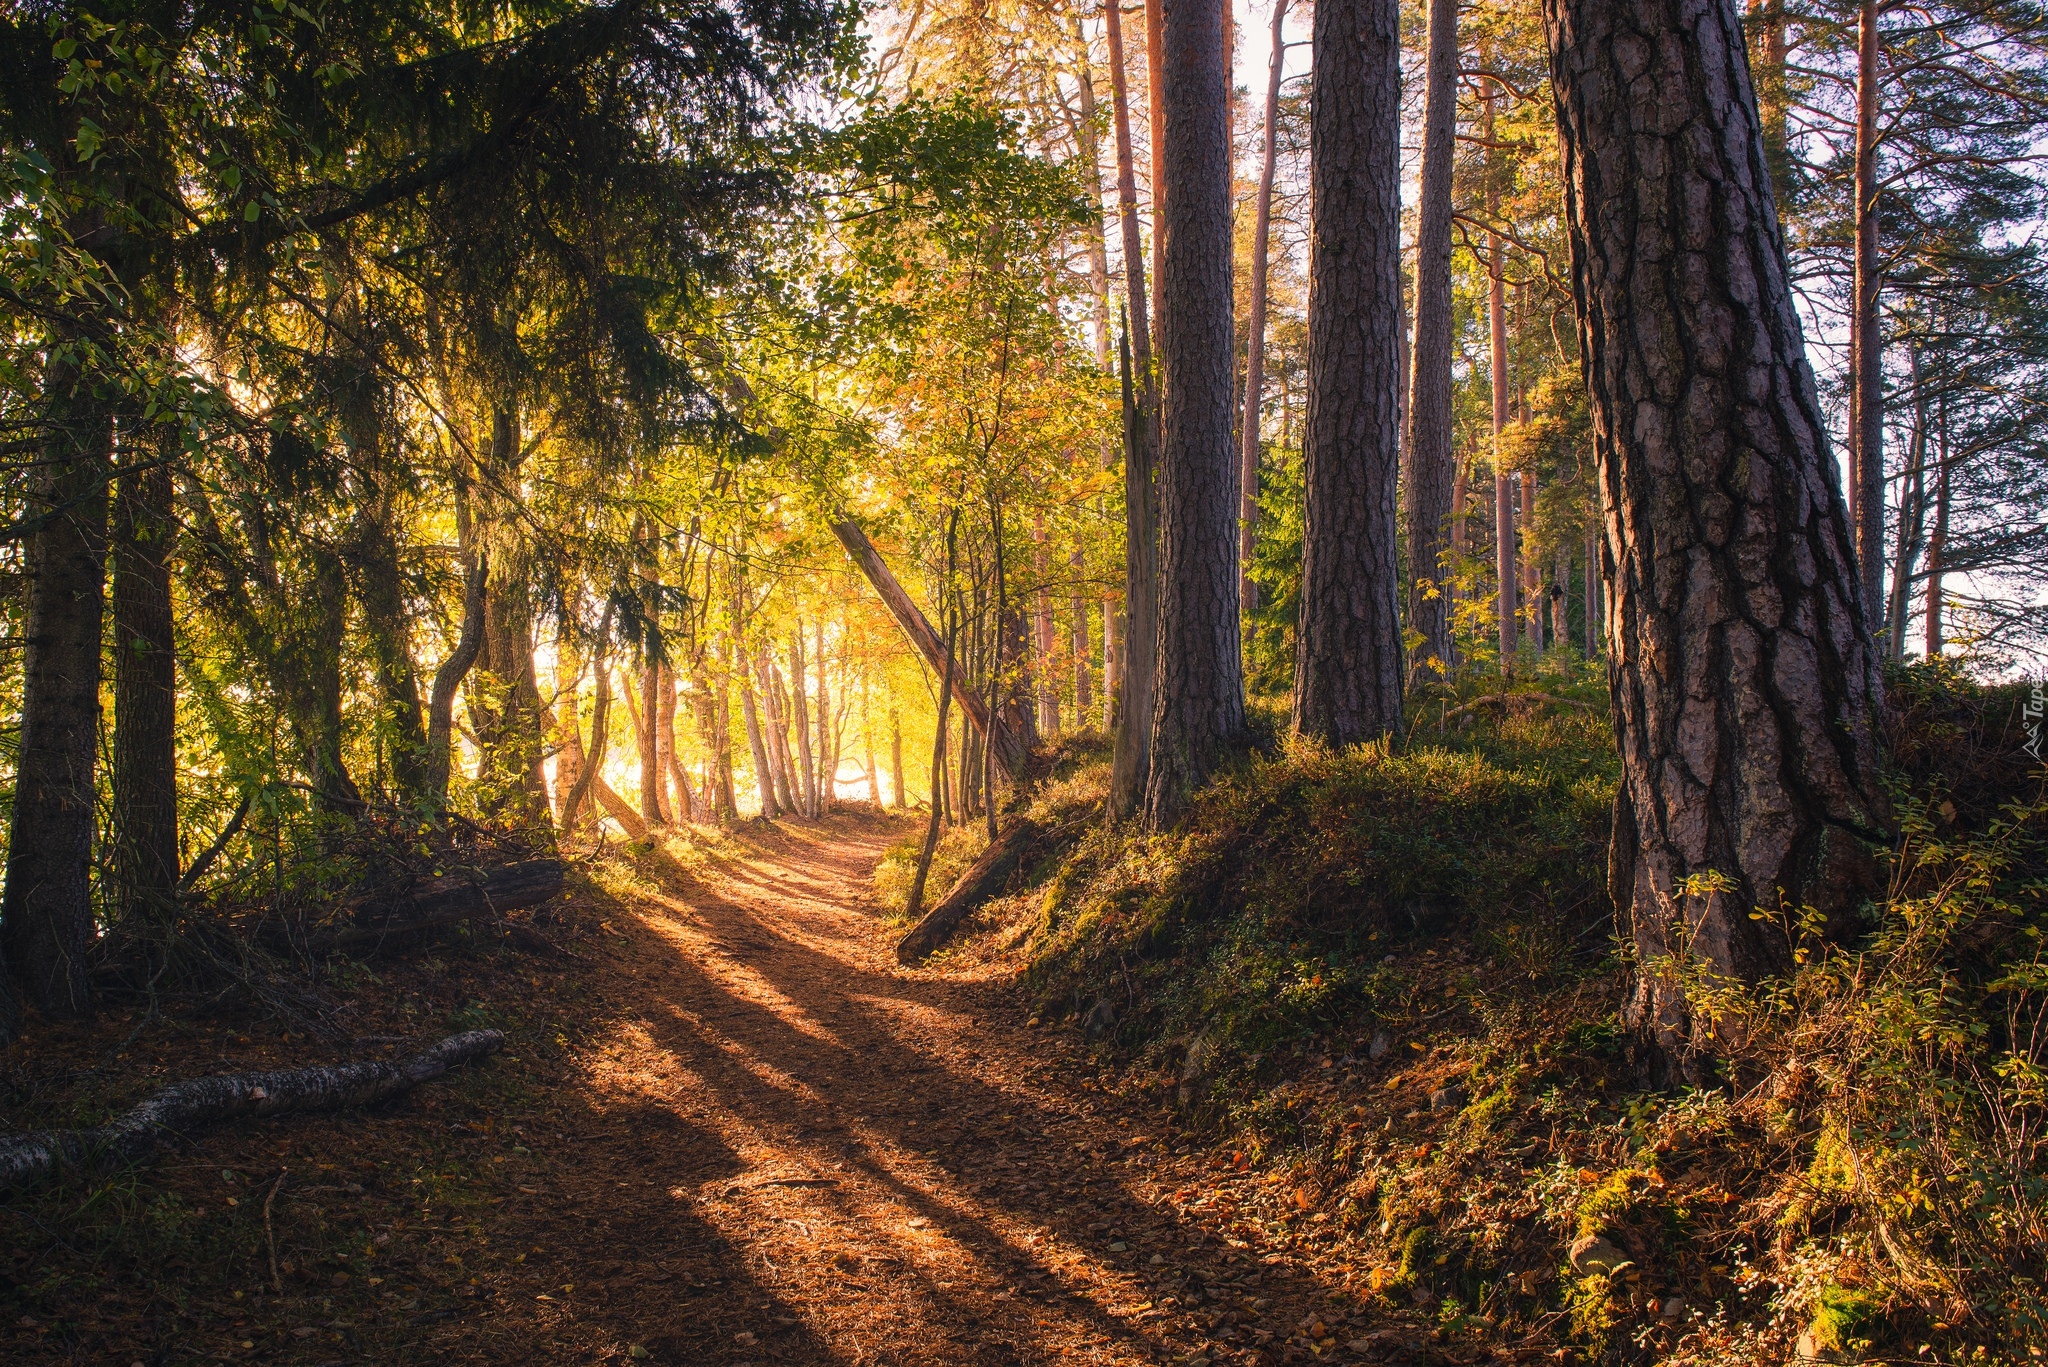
(726, 1128)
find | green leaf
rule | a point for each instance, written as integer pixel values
(252, 212)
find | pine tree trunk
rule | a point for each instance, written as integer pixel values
(1912, 519)
(1155, 136)
(1198, 703)
(1937, 540)
(1255, 344)
(1868, 322)
(1429, 473)
(1769, 49)
(1744, 677)
(1532, 570)
(1348, 656)
(1131, 760)
(1497, 332)
(46, 919)
(145, 777)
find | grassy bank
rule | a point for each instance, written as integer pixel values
(1386, 981)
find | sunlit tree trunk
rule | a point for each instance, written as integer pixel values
(1743, 676)
(1912, 518)
(1497, 332)
(1937, 540)
(764, 773)
(1198, 703)
(1130, 766)
(809, 776)
(1429, 473)
(897, 797)
(1348, 656)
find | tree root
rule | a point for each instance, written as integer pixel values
(29, 1159)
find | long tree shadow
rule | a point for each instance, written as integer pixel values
(1013, 1236)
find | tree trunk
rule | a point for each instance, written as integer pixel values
(775, 730)
(650, 743)
(1077, 615)
(1497, 331)
(590, 767)
(448, 678)
(46, 920)
(145, 778)
(1010, 748)
(1255, 344)
(1131, 759)
(1593, 581)
(1867, 324)
(896, 796)
(686, 804)
(1348, 656)
(1429, 474)
(764, 773)
(1043, 641)
(1744, 679)
(1198, 705)
(828, 744)
(812, 807)
(1532, 568)
(1155, 137)
(1769, 48)
(1912, 519)
(1937, 541)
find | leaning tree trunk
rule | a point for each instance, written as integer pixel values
(1743, 675)
(1347, 652)
(46, 920)
(145, 775)
(1198, 703)
(1430, 416)
(1255, 341)
(1131, 757)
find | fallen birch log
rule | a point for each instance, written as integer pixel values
(976, 886)
(179, 1111)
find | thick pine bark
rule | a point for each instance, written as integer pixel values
(145, 778)
(1255, 345)
(1198, 703)
(1430, 417)
(1131, 758)
(46, 920)
(1348, 656)
(1867, 337)
(1743, 675)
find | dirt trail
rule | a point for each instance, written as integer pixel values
(727, 1128)
(803, 1153)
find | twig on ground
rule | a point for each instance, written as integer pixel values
(270, 1235)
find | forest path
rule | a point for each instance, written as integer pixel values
(789, 1149)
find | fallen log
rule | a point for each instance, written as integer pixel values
(976, 886)
(180, 1111)
(1007, 745)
